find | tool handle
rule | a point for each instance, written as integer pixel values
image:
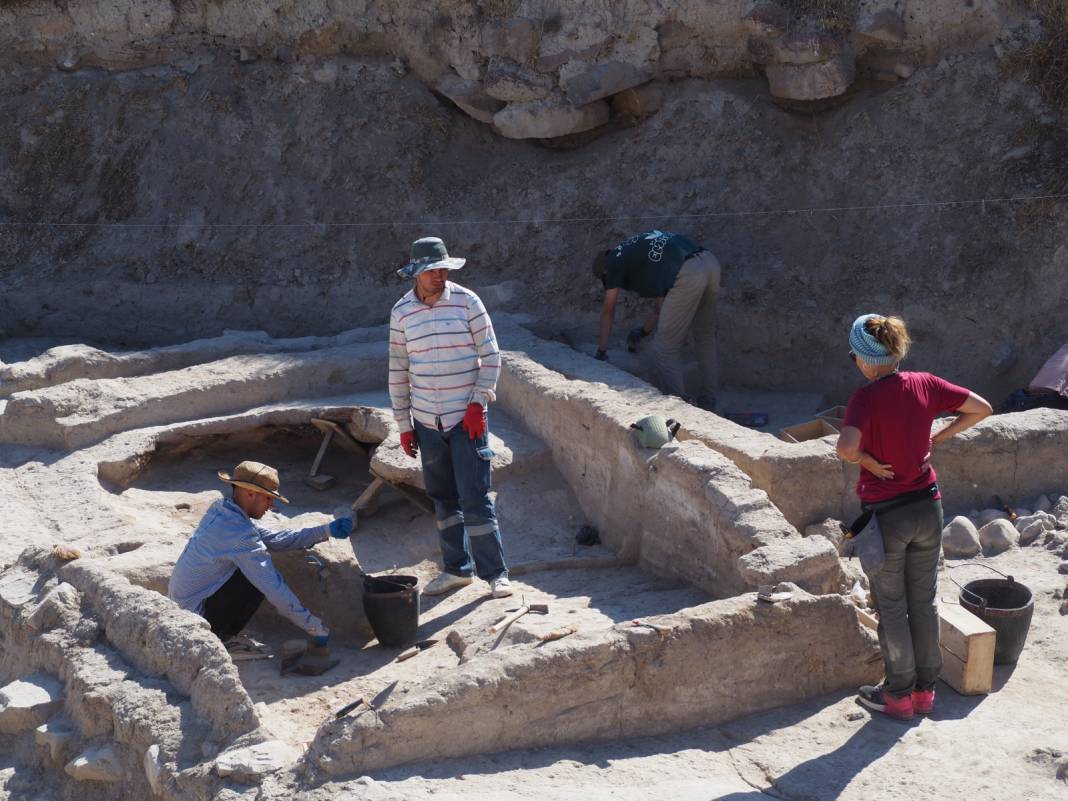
(408, 653)
(508, 621)
(347, 708)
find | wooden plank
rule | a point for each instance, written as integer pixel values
(344, 438)
(322, 452)
(967, 650)
(417, 496)
(957, 626)
(967, 678)
(368, 500)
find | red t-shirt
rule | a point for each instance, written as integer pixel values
(894, 415)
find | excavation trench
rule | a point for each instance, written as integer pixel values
(688, 533)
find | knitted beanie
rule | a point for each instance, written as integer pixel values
(867, 347)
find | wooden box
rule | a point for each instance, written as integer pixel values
(967, 650)
(813, 429)
(835, 416)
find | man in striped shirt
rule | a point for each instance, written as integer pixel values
(443, 368)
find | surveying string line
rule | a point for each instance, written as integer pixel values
(558, 220)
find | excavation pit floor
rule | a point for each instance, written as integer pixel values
(583, 599)
(585, 587)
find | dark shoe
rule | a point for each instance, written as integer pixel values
(923, 701)
(879, 700)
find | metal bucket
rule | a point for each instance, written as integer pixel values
(1006, 606)
(391, 604)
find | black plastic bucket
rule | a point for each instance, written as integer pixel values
(391, 604)
(1006, 606)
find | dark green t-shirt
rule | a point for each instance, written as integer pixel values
(647, 263)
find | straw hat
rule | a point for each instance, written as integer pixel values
(256, 477)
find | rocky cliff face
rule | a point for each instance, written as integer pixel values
(178, 169)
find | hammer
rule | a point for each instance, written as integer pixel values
(537, 609)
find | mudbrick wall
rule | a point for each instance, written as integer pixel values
(177, 169)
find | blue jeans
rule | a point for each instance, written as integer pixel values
(456, 471)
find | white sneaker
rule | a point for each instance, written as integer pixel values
(445, 582)
(501, 587)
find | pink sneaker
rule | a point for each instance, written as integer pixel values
(923, 701)
(877, 699)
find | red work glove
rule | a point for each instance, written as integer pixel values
(409, 443)
(475, 420)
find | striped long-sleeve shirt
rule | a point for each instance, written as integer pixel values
(441, 358)
(227, 540)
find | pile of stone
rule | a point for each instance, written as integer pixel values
(529, 88)
(530, 82)
(814, 60)
(992, 531)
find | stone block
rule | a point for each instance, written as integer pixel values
(250, 764)
(549, 118)
(603, 80)
(469, 97)
(1047, 521)
(516, 38)
(510, 82)
(639, 101)
(1043, 503)
(555, 58)
(673, 34)
(1060, 508)
(57, 735)
(811, 563)
(884, 27)
(95, 765)
(997, 536)
(18, 587)
(812, 81)
(27, 703)
(1031, 532)
(830, 529)
(806, 47)
(990, 515)
(960, 540)
(61, 605)
(683, 52)
(767, 19)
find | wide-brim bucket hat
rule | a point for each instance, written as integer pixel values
(257, 477)
(429, 253)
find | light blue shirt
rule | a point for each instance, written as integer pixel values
(227, 540)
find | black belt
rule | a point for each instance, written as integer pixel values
(697, 252)
(868, 509)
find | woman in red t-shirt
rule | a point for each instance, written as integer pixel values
(887, 431)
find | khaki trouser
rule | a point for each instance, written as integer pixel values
(690, 305)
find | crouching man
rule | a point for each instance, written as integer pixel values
(226, 570)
